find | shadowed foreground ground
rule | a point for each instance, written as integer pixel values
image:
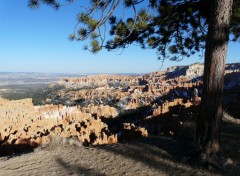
(149, 156)
(135, 158)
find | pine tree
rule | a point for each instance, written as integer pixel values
(175, 29)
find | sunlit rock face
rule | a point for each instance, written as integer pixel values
(195, 70)
(23, 123)
(100, 81)
(101, 111)
(130, 92)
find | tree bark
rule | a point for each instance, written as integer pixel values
(210, 116)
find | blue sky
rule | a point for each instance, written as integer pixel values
(37, 41)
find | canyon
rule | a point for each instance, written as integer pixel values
(105, 109)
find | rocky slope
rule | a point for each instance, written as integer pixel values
(103, 109)
(127, 92)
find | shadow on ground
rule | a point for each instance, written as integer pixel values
(77, 169)
(10, 150)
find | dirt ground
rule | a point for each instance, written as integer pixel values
(156, 155)
(135, 158)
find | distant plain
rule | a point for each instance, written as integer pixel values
(18, 85)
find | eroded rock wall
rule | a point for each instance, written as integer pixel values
(23, 123)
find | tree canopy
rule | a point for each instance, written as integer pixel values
(175, 28)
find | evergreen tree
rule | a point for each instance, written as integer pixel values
(175, 29)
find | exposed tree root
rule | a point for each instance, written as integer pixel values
(210, 162)
(216, 165)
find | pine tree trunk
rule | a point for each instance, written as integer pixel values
(210, 116)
